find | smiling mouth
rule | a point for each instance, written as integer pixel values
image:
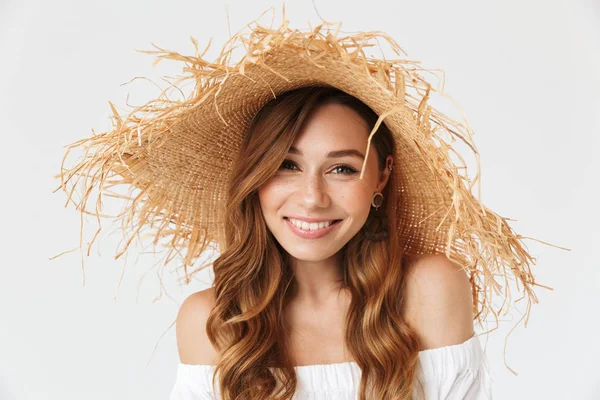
(333, 222)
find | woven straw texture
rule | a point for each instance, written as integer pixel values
(179, 153)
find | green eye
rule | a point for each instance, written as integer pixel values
(286, 162)
(348, 169)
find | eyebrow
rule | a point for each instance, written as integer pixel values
(334, 154)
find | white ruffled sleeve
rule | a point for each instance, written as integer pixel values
(456, 372)
(193, 382)
(453, 372)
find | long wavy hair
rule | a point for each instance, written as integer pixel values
(253, 279)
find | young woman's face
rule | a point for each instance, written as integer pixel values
(311, 185)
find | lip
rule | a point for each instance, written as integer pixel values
(309, 219)
(311, 234)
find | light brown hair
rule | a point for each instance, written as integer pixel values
(253, 280)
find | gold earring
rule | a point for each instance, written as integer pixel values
(373, 200)
(376, 227)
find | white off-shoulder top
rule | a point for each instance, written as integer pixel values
(454, 372)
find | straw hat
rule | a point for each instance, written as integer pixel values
(178, 152)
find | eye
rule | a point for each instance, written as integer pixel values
(288, 162)
(349, 170)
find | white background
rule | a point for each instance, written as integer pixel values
(525, 73)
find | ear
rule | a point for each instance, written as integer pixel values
(385, 174)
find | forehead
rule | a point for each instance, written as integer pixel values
(331, 126)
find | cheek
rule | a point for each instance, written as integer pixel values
(356, 199)
(271, 195)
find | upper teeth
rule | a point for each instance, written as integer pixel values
(313, 226)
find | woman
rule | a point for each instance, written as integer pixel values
(325, 299)
(378, 305)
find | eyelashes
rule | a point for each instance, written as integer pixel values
(348, 169)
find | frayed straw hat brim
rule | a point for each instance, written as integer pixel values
(179, 153)
(193, 158)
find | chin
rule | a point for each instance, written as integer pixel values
(309, 258)
(312, 253)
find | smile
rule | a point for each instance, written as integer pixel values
(318, 229)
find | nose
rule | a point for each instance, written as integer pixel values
(314, 192)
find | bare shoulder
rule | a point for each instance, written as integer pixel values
(438, 302)
(192, 342)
